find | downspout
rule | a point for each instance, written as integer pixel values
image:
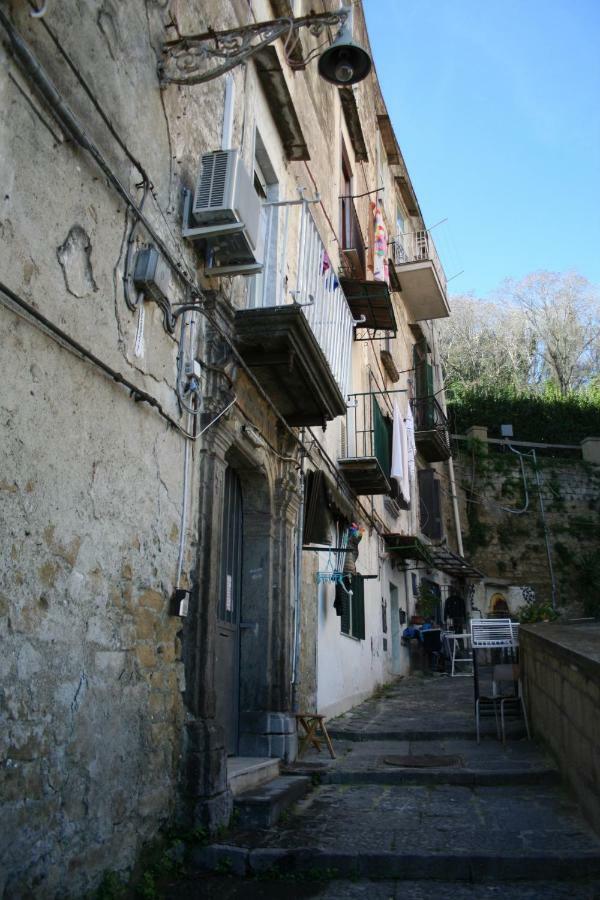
(455, 510)
(546, 530)
(297, 625)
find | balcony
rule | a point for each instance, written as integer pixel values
(365, 455)
(369, 300)
(297, 337)
(421, 276)
(431, 430)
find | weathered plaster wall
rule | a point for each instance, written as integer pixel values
(561, 673)
(90, 480)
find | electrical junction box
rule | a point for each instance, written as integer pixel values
(152, 275)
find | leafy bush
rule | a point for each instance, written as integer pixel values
(545, 417)
(537, 611)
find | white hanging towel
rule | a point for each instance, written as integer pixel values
(412, 447)
(399, 467)
(405, 483)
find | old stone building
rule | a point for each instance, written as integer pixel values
(197, 405)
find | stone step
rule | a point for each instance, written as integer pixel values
(224, 887)
(247, 772)
(262, 806)
(420, 832)
(404, 775)
(460, 762)
(466, 731)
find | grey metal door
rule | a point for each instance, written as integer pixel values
(227, 663)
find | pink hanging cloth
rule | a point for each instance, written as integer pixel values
(380, 246)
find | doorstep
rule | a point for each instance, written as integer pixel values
(246, 772)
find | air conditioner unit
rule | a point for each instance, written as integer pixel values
(227, 213)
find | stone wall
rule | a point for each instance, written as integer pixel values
(510, 548)
(561, 676)
(91, 480)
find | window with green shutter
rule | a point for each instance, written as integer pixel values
(352, 620)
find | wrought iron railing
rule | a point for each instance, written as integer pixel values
(367, 431)
(352, 240)
(429, 416)
(418, 246)
(305, 276)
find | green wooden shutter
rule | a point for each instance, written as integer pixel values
(381, 440)
(358, 607)
(345, 601)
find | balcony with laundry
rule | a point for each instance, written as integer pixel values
(365, 282)
(296, 334)
(419, 274)
(377, 446)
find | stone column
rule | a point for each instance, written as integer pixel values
(207, 800)
(590, 450)
(479, 433)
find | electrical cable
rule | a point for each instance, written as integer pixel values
(132, 304)
(73, 128)
(79, 350)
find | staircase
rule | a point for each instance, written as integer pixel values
(260, 793)
(413, 807)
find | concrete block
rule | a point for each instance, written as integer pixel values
(590, 450)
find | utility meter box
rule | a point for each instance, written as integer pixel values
(152, 275)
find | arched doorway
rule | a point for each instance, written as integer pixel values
(499, 606)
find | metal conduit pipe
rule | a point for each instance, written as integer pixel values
(455, 510)
(297, 594)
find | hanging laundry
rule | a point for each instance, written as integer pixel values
(396, 467)
(412, 447)
(331, 282)
(405, 482)
(399, 467)
(380, 246)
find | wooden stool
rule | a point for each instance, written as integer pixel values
(312, 725)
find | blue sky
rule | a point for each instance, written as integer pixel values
(496, 106)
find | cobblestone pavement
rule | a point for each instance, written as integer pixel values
(499, 824)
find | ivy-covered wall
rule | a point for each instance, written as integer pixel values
(503, 529)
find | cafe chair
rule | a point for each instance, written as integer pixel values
(508, 674)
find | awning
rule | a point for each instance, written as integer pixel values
(407, 546)
(453, 564)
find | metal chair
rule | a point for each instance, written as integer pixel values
(509, 674)
(491, 634)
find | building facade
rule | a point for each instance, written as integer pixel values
(214, 296)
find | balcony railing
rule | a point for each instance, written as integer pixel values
(366, 446)
(431, 429)
(353, 243)
(418, 246)
(306, 277)
(369, 300)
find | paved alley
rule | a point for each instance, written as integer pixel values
(479, 821)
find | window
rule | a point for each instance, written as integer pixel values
(346, 203)
(264, 288)
(353, 607)
(429, 505)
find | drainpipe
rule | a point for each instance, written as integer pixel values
(546, 530)
(297, 629)
(228, 113)
(455, 510)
